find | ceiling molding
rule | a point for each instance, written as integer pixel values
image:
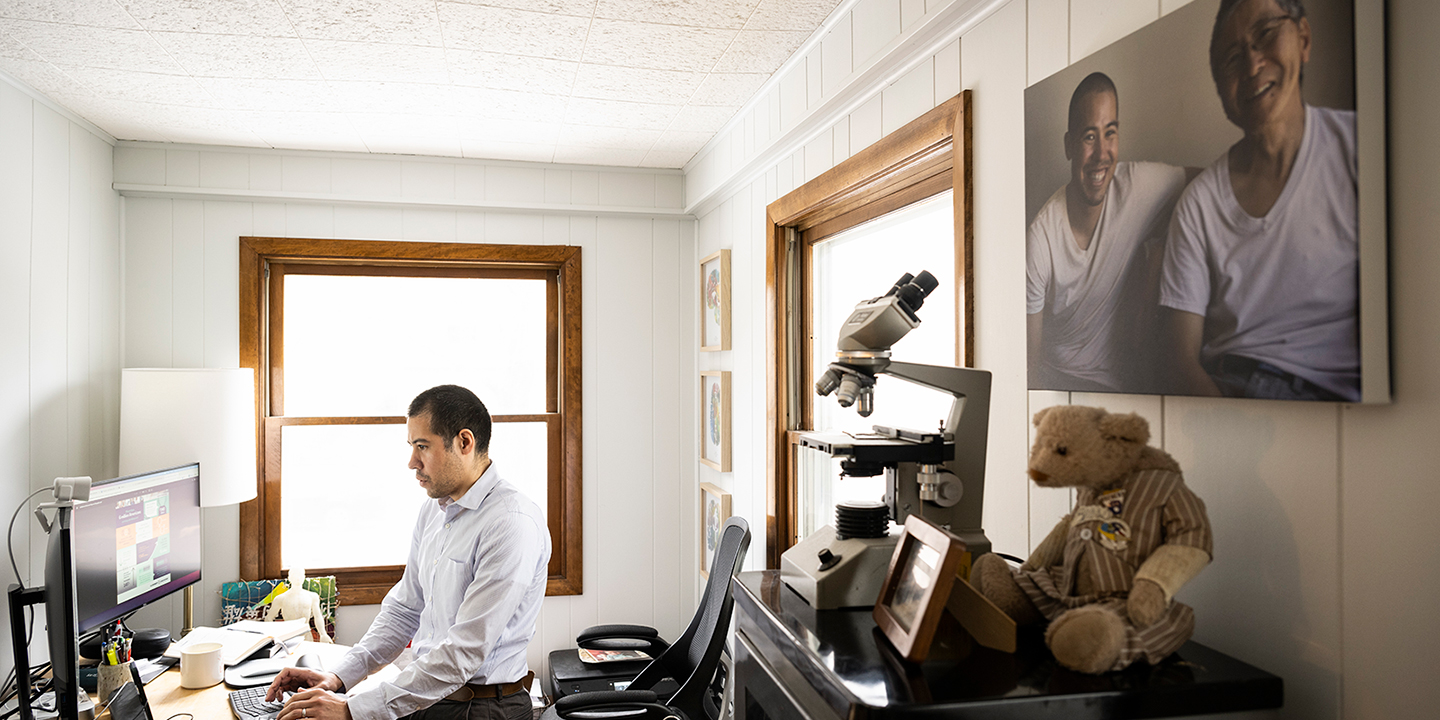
(901, 55)
(172, 192)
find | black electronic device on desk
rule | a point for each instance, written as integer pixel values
(794, 662)
(248, 703)
(569, 674)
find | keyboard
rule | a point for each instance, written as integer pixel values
(249, 704)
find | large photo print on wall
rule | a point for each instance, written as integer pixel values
(1205, 208)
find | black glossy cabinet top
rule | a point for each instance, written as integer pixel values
(851, 665)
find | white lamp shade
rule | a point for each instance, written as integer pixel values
(171, 417)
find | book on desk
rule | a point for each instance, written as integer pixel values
(243, 640)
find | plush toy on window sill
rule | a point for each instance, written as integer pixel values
(1106, 576)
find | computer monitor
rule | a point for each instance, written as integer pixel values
(136, 540)
(60, 617)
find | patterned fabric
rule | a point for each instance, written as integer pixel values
(1111, 534)
(238, 599)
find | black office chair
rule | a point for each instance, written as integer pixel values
(691, 660)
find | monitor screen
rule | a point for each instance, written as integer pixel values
(136, 540)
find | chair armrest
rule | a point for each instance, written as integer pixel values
(581, 701)
(605, 632)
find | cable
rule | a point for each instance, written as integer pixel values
(11, 532)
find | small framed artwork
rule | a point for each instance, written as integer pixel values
(715, 302)
(917, 586)
(714, 511)
(715, 419)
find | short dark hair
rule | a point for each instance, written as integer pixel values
(453, 408)
(1093, 83)
(1293, 9)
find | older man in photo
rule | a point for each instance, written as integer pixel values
(1261, 269)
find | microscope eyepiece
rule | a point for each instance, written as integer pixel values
(912, 290)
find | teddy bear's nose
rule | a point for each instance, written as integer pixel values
(1061, 450)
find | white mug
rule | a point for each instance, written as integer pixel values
(200, 665)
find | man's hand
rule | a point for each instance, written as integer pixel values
(315, 703)
(294, 679)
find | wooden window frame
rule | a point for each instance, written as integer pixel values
(260, 518)
(928, 156)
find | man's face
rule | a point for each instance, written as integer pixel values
(1092, 144)
(1257, 58)
(441, 472)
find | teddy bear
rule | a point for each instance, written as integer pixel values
(1106, 576)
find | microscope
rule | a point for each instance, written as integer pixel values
(937, 474)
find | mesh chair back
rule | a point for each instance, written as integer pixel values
(692, 659)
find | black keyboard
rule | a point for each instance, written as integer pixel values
(249, 704)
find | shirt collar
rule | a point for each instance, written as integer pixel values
(477, 492)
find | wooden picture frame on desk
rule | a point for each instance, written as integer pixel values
(917, 585)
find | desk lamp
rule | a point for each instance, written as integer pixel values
(171, 417)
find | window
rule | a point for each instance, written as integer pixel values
(344, 334)
(816, 270)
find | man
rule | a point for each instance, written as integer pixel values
(472, 588)
(1261, 273)
(1092, 256)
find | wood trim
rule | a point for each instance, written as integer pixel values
(560, 265)
(925, 157)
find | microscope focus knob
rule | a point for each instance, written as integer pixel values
(828, 559)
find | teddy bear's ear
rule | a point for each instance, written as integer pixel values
(1129, 427)
(1039, 416)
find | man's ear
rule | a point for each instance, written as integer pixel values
(465, 441)
(1066, 139)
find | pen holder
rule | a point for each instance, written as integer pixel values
(110, 679)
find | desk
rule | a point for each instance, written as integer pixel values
(793, 661)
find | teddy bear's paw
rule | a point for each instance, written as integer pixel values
(1146, 604)
(991, 577)
(1087, 639)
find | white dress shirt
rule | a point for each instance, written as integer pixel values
(467, 603)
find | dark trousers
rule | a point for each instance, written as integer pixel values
(515, 706)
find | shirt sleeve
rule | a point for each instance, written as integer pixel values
(1186, 522)
(394, 626)
(1037, 266)
(1184, 277)
(506, 562)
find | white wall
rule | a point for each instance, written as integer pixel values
(1325, 563)
(181, 290)
(59, 315)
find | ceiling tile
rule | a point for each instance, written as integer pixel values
(666, 159)
(505, 104)
(270, 94)
(405, 22)
(239, 56)
(579, 8)
(519, 131)
(702, 119)
(372, 96)
(647, 45)
(98, 14)
(402, 124)
(611, 113)
(732, 89)
(143, 86)
(607, 137)
(232, 17)
(510, 72)
(682, 141)
(515, 32)
(805, 15)
(342, 60)
(91, 46)
(27, 67)
(691, 13)
(759, 51)
(598, 156)
(665, 87)
(497, 150)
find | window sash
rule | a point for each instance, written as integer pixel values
(263, 264)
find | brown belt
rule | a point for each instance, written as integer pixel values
(468, 691)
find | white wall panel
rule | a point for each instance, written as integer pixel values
(835, 57)
(309, 221)
(514, 184)
(992, 65)
(267, 172)
(182, 167)
(792, 99)
(269, 219)
(16, 207)
(819, 155)
(876, 23)
(367, 222)
(225, 224)
(140, 165)
(148, 279)
(78, 260)
(910, 97)
(303, 173)
(1097, 23)
(514, 228)
(1048, 41)
(865, 125)
(627, 189)
(911, 11)
(367, 178)
(224, 170)
(840, 148)
(671, 504)
(187, 265)
(814, 78)
(427, 225)
(947, 72)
